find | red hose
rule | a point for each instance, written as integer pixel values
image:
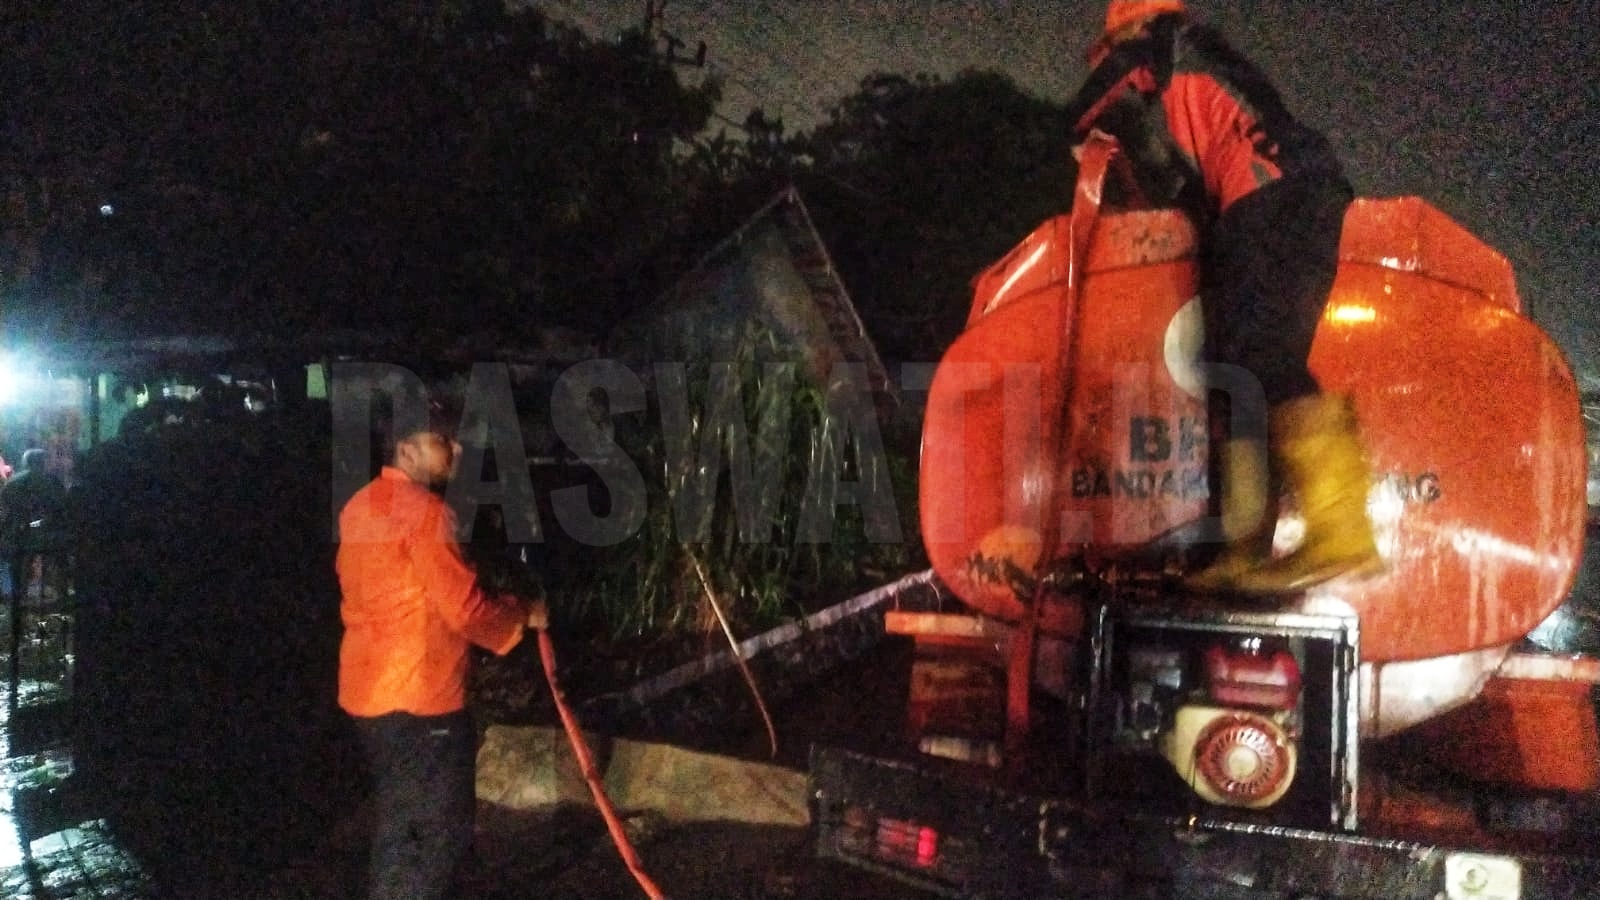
(591, 774)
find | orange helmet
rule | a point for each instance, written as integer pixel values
(1122, 13)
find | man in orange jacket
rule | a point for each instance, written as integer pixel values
(1207, 132)
(411, 607)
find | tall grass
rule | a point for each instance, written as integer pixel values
(766, 571)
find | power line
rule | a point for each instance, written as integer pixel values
(756, 76)
(775, 91)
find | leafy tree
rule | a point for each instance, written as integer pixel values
(302, 166)
(917, 184)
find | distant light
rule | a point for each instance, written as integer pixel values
(11, 381)
(106, 209)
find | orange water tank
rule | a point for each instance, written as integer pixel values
(1070, 414)
(1039, 401)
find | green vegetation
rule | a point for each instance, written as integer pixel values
(751, 539)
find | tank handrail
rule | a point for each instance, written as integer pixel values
(1096, 157)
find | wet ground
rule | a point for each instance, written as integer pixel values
(51, 845)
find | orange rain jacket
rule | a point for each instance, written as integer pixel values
(411, 604)
(1202, 124)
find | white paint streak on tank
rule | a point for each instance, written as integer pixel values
(1398, 695)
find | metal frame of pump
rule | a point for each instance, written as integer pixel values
(1256, 711)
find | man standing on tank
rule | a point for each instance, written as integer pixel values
(1206, 131)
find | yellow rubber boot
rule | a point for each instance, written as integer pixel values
(1316, 443)
(1249, 511)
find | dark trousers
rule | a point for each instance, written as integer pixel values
(423, 799)
(1271, 262)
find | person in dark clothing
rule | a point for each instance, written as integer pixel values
(32, 505)
(1205, 131)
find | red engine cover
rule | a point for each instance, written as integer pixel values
(1242, 678)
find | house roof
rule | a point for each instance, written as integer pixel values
(775, 266)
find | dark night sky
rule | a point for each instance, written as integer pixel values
(1486, 107)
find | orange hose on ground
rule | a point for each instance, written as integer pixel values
(580, 748)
